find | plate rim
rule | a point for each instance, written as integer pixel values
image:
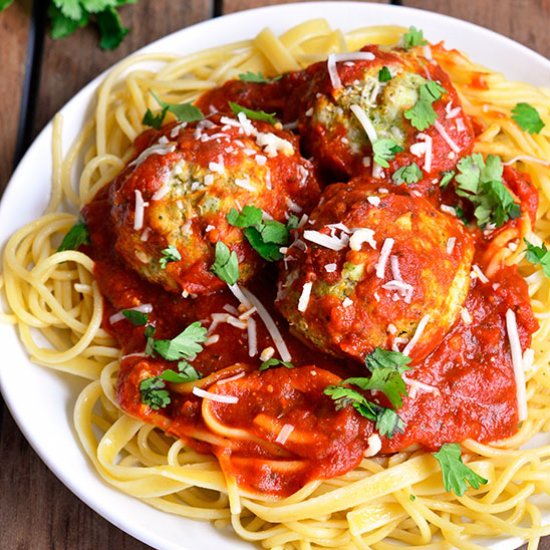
(89, 89)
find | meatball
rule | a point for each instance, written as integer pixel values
(346, 106)
(169, 205)
(375, 269)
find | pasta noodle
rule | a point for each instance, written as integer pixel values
(386, 501)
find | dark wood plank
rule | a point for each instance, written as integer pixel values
(69, 64)
(36, 510)
(230, 6)
(14, 33)
(523, 20)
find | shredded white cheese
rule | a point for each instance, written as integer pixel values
(139, 210)
(347, 302)
(334, 58)
(330, 268)
(365, 122)
(245, 184)
(423, 147)
(476, 270)
(332, 242)
(417, 335)
(465, 315)
(229, 399)
(273, 144)
(451, 241)
(270, 325)
(252, 338)
(517, 362)
(380, 267)
(284, 434)
(447, 138)
(143, 308)
(157, 149)
(375, 201)
(374, 446)
(416, 385)
(267, 353)
(303, 302)
(360, 236)
(526, 158)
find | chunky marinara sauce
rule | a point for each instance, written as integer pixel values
(283, 431)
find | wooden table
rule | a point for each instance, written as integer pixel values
(38, 76)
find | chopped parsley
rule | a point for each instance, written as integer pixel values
(153, 393)
(422, 115)
(386, 368)
(226, 264)
(407, 174)
(446, 178)
(253, 115)
(527, 118)
(169, 254)
(384, 74)
(137, 318)
(481, 183)
(387, 421)
(413, 37)
(186, 373)
(77, 236)
(455, 473)
(385, 150)
(184, 347)
(257, 78)
(184, 112)
(274, 362)
(266, 237)
(67, 16)
(538, 255)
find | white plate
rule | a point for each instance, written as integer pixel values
(42, 401)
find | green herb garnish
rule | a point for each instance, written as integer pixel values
(527, 118)
(407, 174)
(385, 150)
(274, 362)
(413, 37)
(253, 115)
(257, 78)
(384, 74)
(455, 473)
(538, 255)
(77, 236)
(137, 318)
(226, 264)
(422, 115)
(169, 254)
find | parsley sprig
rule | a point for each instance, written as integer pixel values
(253, 115)
(265, 236)
(386, 368)
(137, 318)
(413, 37)
(538, 255)
(422, 115)
(407, 174)
(455, 473)
(385, 150)
(75, 237)
(184, 112)
(527, 118)
(480, 181)
(67, 16)
(183, 348)
(226, 264)
(274, 362)
(258, 78)
(169, 254)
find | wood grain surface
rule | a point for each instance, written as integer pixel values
(36, 511)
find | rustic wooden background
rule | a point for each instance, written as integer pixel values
(38, 76)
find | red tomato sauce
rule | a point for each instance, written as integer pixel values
(472, 395)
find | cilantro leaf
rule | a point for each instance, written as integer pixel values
(407, 174)
(63, 26)
(422, 114)
(169, 254)
(185, 345)
(446, 179)
(137, 318)
(257, 78)
(413, 37)
(538, 255)
(149, 334)
(386, 368)
(153, 393)
(189, 374)
(226, 264)
(385, 359)
(253, 115)
(154, 121)
(481, 183)
(527, 118)
(384, 74)
(250, 215)
(184, 112)
(77, 236)
(387, 422)
(455, 473)
(293, 222)
(384, 150)
(274, 362)
(265, 236)
(111, 30)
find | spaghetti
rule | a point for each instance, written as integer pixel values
(385, 500)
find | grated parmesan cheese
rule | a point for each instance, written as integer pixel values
(417, 335)
(304, 297)
(139, 210)
(447, 138)
(252, 338)
(517, 362)
(229, 399)
(360, 236)
(380, 267)
(284, 434)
